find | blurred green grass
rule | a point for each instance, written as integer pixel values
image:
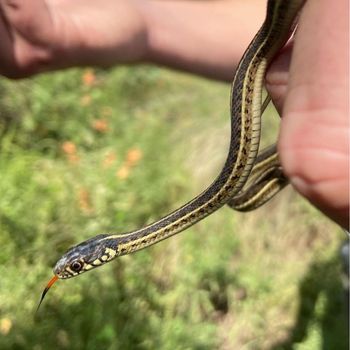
(91, 151)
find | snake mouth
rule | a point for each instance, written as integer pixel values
(48, 286)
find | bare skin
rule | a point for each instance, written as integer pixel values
(308, 83)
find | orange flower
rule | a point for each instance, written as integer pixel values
(89, 77)
(70, 150)
(123, 172)
(133, 156)
(100, 125)
(69, 147)
(84, 201)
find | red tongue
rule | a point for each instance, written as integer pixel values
(51, 282)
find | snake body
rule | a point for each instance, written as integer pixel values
(228, 187)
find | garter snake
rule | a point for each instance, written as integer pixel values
(228, 187)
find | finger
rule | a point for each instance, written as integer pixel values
(277, 76)
(7, 55)
(314, 133)
(29, 18)
(27, 46)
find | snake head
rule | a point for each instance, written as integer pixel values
(82, 257)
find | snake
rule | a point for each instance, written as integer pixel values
(247, 179)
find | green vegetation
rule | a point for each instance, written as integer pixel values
(86, 152)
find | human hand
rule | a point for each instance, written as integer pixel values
(41, 35)
(44, 35)
(314, 139)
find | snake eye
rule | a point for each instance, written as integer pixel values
(76, 266)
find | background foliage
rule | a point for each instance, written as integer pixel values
(85, 152)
